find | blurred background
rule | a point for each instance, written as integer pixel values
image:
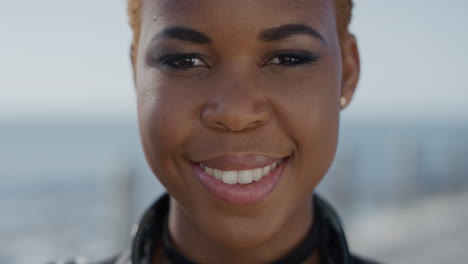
(73, 176)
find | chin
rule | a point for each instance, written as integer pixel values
(242, 233)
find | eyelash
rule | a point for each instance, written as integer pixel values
(176, 61)
(292, 59)
(188, 61)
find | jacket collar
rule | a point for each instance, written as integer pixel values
(333, 247)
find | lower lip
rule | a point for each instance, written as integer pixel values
(241, 194)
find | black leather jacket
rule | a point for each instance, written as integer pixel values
(333, 247)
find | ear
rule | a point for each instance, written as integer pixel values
(133, 60)
(351, 68)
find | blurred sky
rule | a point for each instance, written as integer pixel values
(70, 60)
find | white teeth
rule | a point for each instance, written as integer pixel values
(218, 174)
(240, 177)
(244, 177)
(209, 170)
(266, 170)
(230, 177)
(257, 174)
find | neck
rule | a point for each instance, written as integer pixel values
(198, 246)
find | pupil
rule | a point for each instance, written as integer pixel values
(290, 60)
(185, 62)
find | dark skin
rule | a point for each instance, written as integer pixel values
(220, 77)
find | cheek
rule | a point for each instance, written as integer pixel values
(164, 126)
(309, 114)
(317, 143)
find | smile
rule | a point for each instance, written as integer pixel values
(242, 180)
(242, 176)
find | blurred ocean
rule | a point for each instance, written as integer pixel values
(69, 189)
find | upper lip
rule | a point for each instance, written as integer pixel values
(239, 162)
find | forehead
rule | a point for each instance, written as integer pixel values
(246, 14)
(283, 4)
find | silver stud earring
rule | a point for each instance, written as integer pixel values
(343, 101)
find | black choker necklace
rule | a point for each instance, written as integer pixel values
(296, 256)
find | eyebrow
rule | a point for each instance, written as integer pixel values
(288, 30)
(271, 34)
(184, 34)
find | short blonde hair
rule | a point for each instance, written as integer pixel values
(343, 18)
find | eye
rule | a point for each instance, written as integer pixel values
(182, 61)
(292, 59)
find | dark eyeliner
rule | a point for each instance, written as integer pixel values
(166, 60)
(301, 57)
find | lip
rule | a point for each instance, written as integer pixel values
(237, 194)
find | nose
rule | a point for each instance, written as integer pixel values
(236, 105)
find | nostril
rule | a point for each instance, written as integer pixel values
(232, 128)
(221, 125)
(255, 124)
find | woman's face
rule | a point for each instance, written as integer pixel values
(225, 88)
